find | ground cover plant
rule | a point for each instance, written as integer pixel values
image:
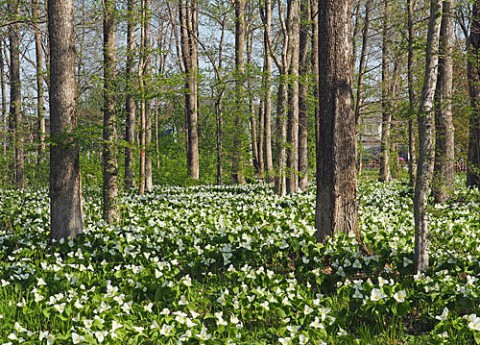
(238, 265)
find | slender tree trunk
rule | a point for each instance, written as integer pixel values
(426, 141)
(293, 94)
(65, 183)
(110, 162)
(443, 186)
(315, 60)
(261, 137)
(148, 115)
(143, 103)
(385, 175)
(282, 117)
(267, 89)
(130, 107)
(237, 163)
(16, 114)
(412, 165)
(473, 166)
(5, 136)
(362, 64)
(219, 118)
(303, 96)
(336, 207)
(251, 107)
(40, 89)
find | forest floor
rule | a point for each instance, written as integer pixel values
(238, 265)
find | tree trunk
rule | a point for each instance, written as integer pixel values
(219, 118)
(303, 96)
(426, 141)
(65, 184)
(336, 206)
(267, 89)
(315, 60)
(5, 136)
(40, 89)
(16, 115)
(188, 16)
(362, 64)
(473, 166)
(110, 163)
(237, 163)
(143, 103)
(282, 117)
(443, 186)
(148, 115)
(130, 107)
(251, 107)
(412, 165)
(293, 24)
(385, 175)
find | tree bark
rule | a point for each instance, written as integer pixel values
(336, 206)
(385, 174)
(293, 25)
(251, 106)
(426, 141)
(303, 96)
(473, 68)
(315, 60)
(16, 114)
(130, 107)
(237, 163)
(267, 91)
(188, 16)
(110, 163)
(40, 88)
(282, 117)
(146, 45)
(412, 165)
(443, 186)
(5, 136)
(65, 184)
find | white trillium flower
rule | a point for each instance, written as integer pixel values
(400, 296)
(444, 315)
(377, 295)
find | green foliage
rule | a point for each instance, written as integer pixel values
(237, 265)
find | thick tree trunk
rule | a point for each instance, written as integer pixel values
(426, 141)
(65, 184)
(412, 164)
(130, 107)
(443, 186)
(336, 206)
(16, 115)
(237, 163)
(188, 17)
(293, 94)
(385, 175)
(110, 162)
(40, 89)
(473, 166)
